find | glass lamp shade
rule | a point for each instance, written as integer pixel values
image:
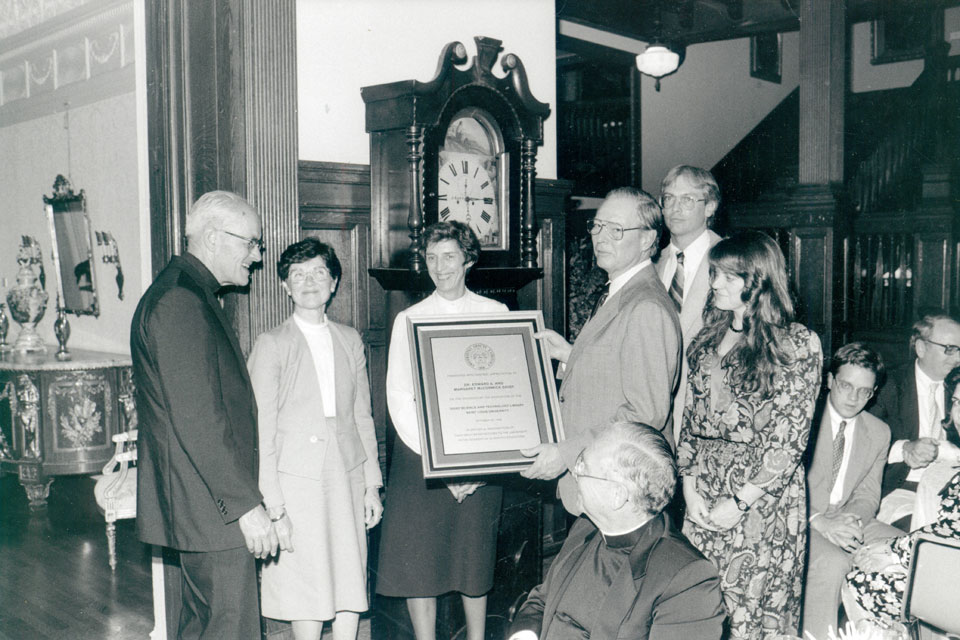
(657, 61)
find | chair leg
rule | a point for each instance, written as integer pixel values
(112, 545)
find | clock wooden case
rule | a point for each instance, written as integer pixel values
(461, 146)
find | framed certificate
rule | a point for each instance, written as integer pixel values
(484, 389)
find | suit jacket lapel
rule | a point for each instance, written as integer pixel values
(623, 590)
(696, 296)
(822, 466)
(302, 358)
(574, 561)
(341, 368)
(860, 444)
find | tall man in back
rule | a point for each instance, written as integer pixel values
(689, 197)
(197, 480)
(624, 365)
(912, 404)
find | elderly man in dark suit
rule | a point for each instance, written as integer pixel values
(625, 572)
(911, 402)
(843, 482)
(625, 363)
(197, 481)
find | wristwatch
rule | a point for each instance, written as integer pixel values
(741, 504)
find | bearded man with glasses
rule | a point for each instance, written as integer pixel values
(625, 363)
(912, 403)
(624, 570)
(843, 480)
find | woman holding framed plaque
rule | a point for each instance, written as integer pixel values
(437, 537)
(319, 467)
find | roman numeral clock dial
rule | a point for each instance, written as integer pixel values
(467, 192)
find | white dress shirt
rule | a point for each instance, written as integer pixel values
(930, 410)
(836, 492)
(693, 255)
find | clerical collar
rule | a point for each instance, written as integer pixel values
(625, 540)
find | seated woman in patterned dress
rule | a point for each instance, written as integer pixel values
(875, 586)
(754, 378)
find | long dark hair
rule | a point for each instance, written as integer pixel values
(753, 361)
(949, 388)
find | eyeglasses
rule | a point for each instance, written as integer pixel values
(949, 350)
(252, 243)
(860, 393)
(686, 202)
(316, 274)
(613, 228)
(578, 474)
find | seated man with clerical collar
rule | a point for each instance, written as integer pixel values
(624, 570)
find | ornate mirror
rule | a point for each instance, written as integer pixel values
(72, 249)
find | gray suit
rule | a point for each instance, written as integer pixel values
(691, 321)
(828, 564)
(623, 367)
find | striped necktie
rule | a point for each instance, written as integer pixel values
(838, 442)
(676, 285)
(603, 298)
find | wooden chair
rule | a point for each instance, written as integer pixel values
(932, 592)
(116, 490)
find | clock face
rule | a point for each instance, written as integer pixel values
(470, 182)
(467, 190)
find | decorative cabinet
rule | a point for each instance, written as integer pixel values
(59, 418)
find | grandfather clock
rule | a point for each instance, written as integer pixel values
(461, 146)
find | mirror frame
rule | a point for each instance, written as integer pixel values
(64, 200)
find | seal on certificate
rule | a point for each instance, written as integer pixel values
(479, 356)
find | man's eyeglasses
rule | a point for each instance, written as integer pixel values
(615, 229)
(577, 471)
(317, 274)
(686, 202)
(860, 393)
(949, 350)
(252, 243)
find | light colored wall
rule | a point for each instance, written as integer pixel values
(343, 45)
(107, 155)
(104, 164)
(703, 110)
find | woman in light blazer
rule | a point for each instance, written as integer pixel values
(319, 469)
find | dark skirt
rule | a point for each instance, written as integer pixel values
(429, 543)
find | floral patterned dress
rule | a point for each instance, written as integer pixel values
(729, 440)
(881, 594)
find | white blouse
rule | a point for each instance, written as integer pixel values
(321, 349)
(400, 389)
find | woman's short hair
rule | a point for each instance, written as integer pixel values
(754, 257)
(859, 355)
(307, 249)
(645, 206)
(456, 231)
(700, 178)
(644, 462)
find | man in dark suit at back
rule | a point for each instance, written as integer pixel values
(197, 481)
(911, 402)
(625, 572)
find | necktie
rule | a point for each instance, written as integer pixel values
(838, 442)
(603, 298)
(936, 414)
(676, 286)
